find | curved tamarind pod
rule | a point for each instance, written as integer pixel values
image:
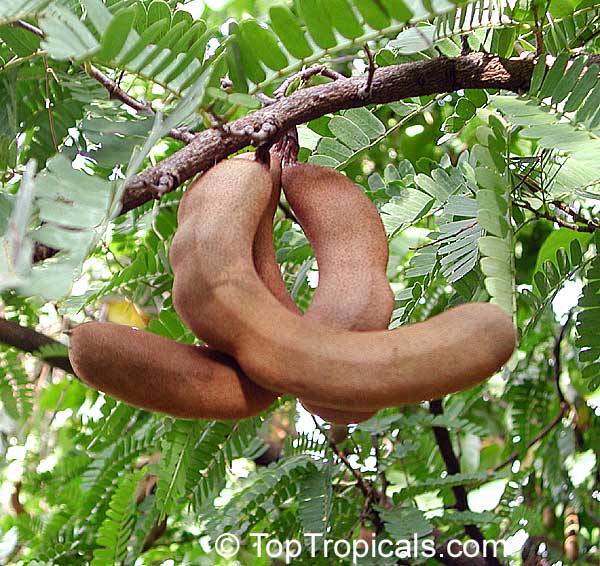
(154, 373)
(269, 272)
(263, 250)
(222, 299)
(158, 374)
(350, 245)
(351, 248)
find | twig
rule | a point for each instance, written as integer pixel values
(114, 90)
(370, 72)
(533, 441)
(360, 481)
(287, 211)
(361, 517)
(382, 476)
(594, 225)
(564, 405)
(556, 359)
(306, 74)
(588, 227)
(368, 490)
(28, 340)
(30, 28)
(49, 103)
(442, 438)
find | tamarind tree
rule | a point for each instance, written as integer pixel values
(472, 126)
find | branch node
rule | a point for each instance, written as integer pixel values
(366, 90)
(165, 184)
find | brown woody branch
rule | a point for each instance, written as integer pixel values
(476, 70)
(28, 340)
(586, 226)
(369, 491)
(564, 405)
(388, 84)
(444, 442)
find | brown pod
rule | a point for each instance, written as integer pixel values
(154, 373)
(158, 374)
(268, 270)
(350, 245)
(263, 250)
(571, 548)
(222, 299)
(121, 380)
(549, 517)
(332, 212)
(351, 249)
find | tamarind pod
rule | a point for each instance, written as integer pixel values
(154, 373)
(351, 249)
(263, 250)
(151, 372)
(222, 299)
(571, 547)
(350, 245)
(549, 517)
(269, 272)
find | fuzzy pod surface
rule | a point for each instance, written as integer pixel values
(222, 299)
(353, 290)
(351, 249)
(180, 380)
(158, 374)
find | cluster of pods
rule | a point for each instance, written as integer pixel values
(338, 358)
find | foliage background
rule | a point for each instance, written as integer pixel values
(485, 196)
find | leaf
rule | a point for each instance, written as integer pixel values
(318, 22)
(559, 239)
(397, 9)
(539, 71)
(582, 88)
(116, 34)
(414, 40)
(348, 132)
(405, 523)
(314, 501)
(554, 75)
(568, 82)
(368, 123)
(264, 44)
(343, 18)
(289, 30)
(158, 11)
(588, 320)
(405, 209)
(373, 13)
(65, 37)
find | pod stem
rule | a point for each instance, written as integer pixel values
(288, 147)
(263, 154)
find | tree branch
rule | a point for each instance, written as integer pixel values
(114, 90)
(367, 489)
(396, 82)
(389, 84)
(588, 226)
(28, 340)
(564, 405)
(442, 437)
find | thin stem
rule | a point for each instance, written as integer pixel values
(564, 405)
(442, 438)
